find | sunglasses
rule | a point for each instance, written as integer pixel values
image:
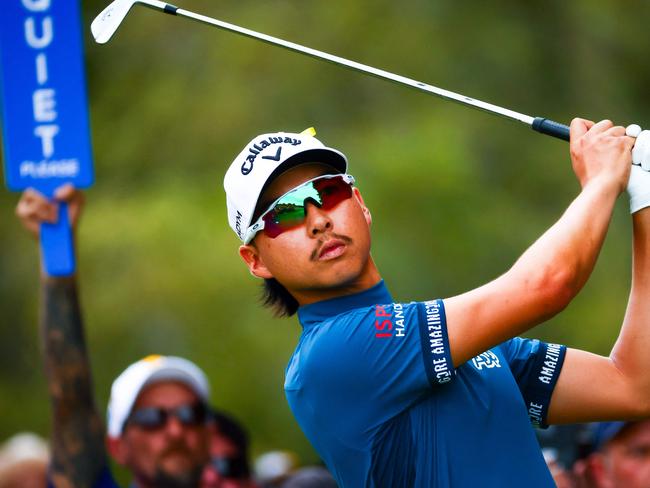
(290, 210)
(154, 418)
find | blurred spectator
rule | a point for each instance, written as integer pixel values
(310, 477)
(157, 415)
(279, 469)
(560, 475)
(621, 458)
(229, 466)
(274, 467)
(23, 462)
(566, 442)
(158, 421)
(563, 447)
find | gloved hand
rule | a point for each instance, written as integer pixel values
(638, 186)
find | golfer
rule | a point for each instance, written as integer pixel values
(439, 393)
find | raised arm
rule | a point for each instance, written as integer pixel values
(592, 387)
(553, 270)
(77, 445)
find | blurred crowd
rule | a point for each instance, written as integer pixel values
(25, 457)
(598, 455)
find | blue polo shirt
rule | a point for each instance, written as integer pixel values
(372, 385)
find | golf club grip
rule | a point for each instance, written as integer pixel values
(551, 128)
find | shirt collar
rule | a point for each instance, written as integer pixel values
(317, 312)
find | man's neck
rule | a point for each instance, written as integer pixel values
(368, 278)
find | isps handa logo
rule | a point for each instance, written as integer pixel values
(389, 323)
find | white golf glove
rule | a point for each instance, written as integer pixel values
(638, 186)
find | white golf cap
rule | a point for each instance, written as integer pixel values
(151, 369)
(264, 158)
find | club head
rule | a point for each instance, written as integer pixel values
(107, 22)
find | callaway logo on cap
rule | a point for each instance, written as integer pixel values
(264, 158)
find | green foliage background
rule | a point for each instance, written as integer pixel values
(456, 194)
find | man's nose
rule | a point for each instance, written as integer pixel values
(318, 220)
(174, 427)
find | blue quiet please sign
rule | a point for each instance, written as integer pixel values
(46, 137)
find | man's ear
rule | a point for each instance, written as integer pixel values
(253, 260)
(366, 212)
(115, 447)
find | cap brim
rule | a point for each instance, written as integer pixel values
(176, 375)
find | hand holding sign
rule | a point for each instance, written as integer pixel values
(34, 208)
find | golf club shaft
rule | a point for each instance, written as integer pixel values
(540, 124)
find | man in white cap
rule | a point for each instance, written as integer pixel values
(440, 393)
(158, 422)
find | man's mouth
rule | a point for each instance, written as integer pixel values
(176, 452)
(331, 249)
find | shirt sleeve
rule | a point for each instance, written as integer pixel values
(376, 361)
(536, 366)
(434, 340)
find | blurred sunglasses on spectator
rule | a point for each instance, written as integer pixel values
(154, 418)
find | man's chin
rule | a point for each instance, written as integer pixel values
(178, 472)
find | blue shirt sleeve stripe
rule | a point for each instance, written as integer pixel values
(435, 342)
(539, 388)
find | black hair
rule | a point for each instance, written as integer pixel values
(230, 428)
(277, 297)
(235, 432)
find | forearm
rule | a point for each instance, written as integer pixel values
(563, 258)
(77, 432)
(630, 353)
